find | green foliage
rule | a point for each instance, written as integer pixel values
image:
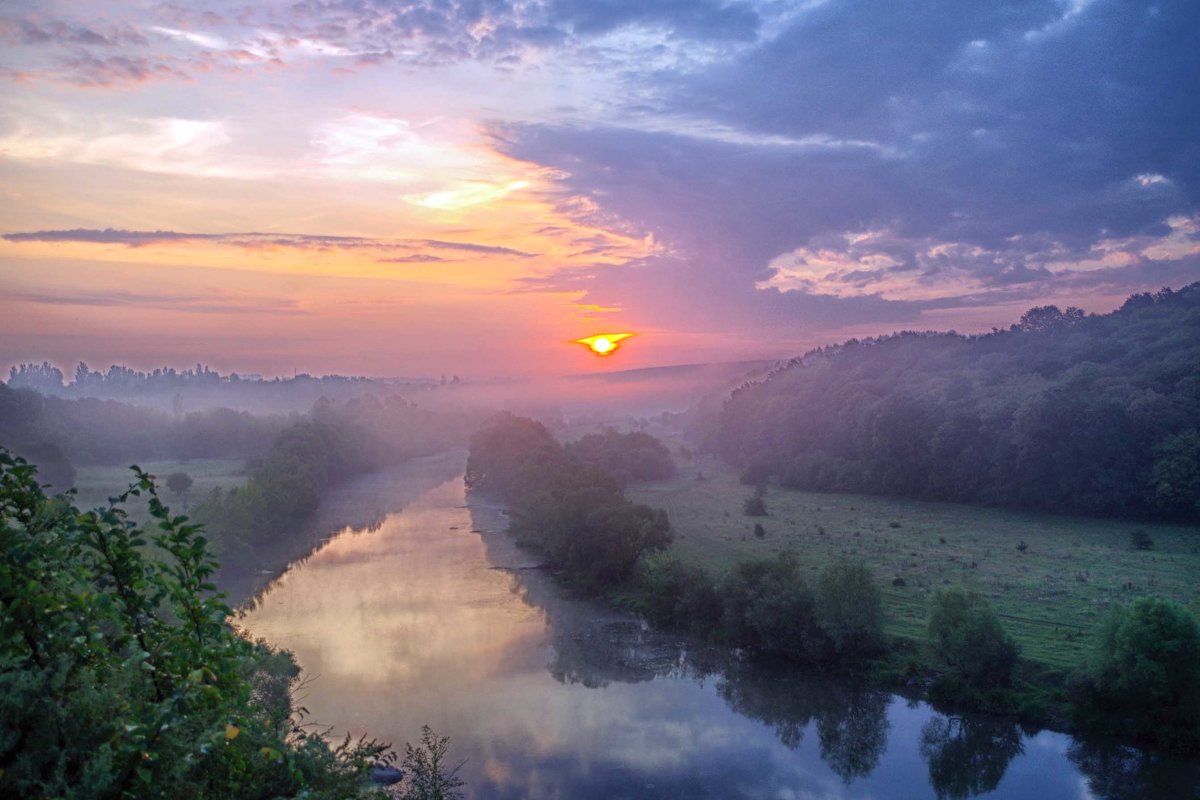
(850, 608)
(1174, 485)
(1146, 674)
(573, 514)
(503, 447)
(1063, 413)
(678, 597)
(767, 607)
(429, 776)
(119, 676)
(627, 457)
(965, 637)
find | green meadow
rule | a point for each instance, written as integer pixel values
(95, 484)
(1051, 578)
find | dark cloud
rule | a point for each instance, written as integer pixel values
(108, 236)
(213, 302)
(1011, 112)
(260, 240)
(472, 248)
(985, 147)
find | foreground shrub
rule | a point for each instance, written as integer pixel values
(119, 675)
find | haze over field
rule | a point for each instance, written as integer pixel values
(401, 188)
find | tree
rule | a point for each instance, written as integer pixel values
(179, 483)
(755, 505)
(768, 607)
(850, 608)
(965, 636)
(429, 776)
(120, 675)
(1174, 484)
(1048, 319)
(1146, 670)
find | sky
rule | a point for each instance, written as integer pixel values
(383, 187)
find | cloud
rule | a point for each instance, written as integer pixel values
(34, 31)
(257, 240)
(860, 165)
(214, 301)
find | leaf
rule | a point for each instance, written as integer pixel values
(231, 732)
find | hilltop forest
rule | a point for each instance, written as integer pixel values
(1062, 412)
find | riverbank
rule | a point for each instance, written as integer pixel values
(437, 617)
(1051, 594)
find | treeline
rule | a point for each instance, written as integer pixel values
(180, 390)
(334, 443)
(120, 677)
(1142, 682)
(60, 434)
(572, 513)
(1063, 412)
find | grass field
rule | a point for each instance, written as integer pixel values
(95, 484)
(1050, 595)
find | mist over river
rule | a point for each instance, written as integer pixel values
(434, 617)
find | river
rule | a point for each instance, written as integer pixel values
(430, 615)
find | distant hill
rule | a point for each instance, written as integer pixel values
(1062, 412)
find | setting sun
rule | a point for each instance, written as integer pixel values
(603, 344)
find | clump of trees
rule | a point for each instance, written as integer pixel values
(1062, 412)
(765, 606)
(1144, 680)
(574, 514)
(966, 640)
(628, 457)
(333, 444)
(119, 675)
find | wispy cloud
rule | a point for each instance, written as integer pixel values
(259, 240)
(213, 302)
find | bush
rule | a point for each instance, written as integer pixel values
(850, 609)
(768, 607)
(1141, 540)
(679, 597)
(119, 675)
(1146, 671)
(429, 777)
(754, 506)
(965, 637)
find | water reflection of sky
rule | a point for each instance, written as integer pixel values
(411, 624)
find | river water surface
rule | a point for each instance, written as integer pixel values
(432, 616)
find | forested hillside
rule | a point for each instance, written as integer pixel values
(1062, 412)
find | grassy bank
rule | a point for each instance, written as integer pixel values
(1050, 596)
(95, 484)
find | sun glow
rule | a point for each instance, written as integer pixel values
(603, 344)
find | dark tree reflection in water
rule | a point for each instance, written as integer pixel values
(968, 756)
(1118, 772)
